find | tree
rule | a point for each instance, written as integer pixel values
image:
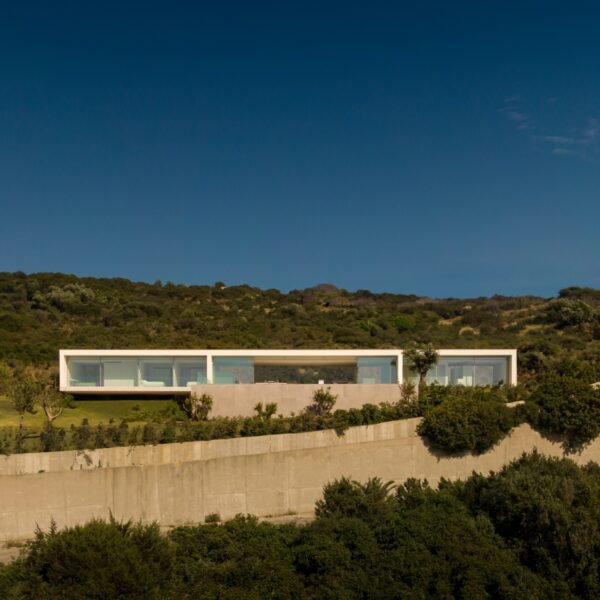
(22, 394)
(198, 407)
(421, 360)
(567, 406)
(51, 401)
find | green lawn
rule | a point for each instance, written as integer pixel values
(95, 411)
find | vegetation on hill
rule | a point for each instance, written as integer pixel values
(531, 530)
(43, 312)
(40, 313)
(456, 419)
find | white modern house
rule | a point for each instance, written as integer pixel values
(238, 379)
(176, 371)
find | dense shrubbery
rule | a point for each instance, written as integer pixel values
(530, 531)
(566, 406)
(548, 511)
(466, 424)
(456, 419)
(475, 419)
(98, 560)
(43, 312)
(567, 311)
(170, 430)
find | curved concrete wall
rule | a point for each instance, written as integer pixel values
(265, 476)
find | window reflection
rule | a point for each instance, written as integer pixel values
(377, 370)
(233, 370)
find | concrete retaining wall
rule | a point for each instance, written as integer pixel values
(270, 475)
(239, 399)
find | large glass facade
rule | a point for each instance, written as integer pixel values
(124, 372)
(119, 372)
(465, 370)
(85, 372)
(233, 369)
(186, 371)
(156, 372)
(190, 371)
(491, 370)
(380, 369)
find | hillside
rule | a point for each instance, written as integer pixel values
(43, 312)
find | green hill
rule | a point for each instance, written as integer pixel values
(43, 312)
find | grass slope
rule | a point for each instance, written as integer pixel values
(95, 411)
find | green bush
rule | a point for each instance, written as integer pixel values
(566, 406)
(548, 510)
(466, 424)
(98, 560)
(530, 531)
(567, 311)
(344, 497)
(323, 402)
(52, 439)
(81, 436)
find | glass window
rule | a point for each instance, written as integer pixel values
(491, 370)
(464, 370)
(84, 372)
(459, 370)
(438, 374)
(156, 372)
(377, 370)
(233, 369)
(119, 372)
(190, 371)
(408, 374)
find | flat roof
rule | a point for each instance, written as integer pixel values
(285, 352)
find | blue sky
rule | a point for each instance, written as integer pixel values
(446, 149)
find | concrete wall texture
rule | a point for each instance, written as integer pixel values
(239, 399)
(271, 475)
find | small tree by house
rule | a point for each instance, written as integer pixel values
(267, 411)
(22, 394)
(52, 402)
(323, 402)
(197, 408)
(421, 360)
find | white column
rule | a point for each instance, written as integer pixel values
(63, 373)
(513, 367)
(209, 368)
(399, 368)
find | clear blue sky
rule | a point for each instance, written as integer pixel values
(439, 148)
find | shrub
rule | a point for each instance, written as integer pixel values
(52, 439)
(197, 408)
(567, 311)
(150, 434)
(212, 518)
(466, 424)
(567, 406)
(548, 510)
(100, 437)
(344, 497)
(323, 402)
(96, 560)
(81, 436)
(169, 433)
(266, 412)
